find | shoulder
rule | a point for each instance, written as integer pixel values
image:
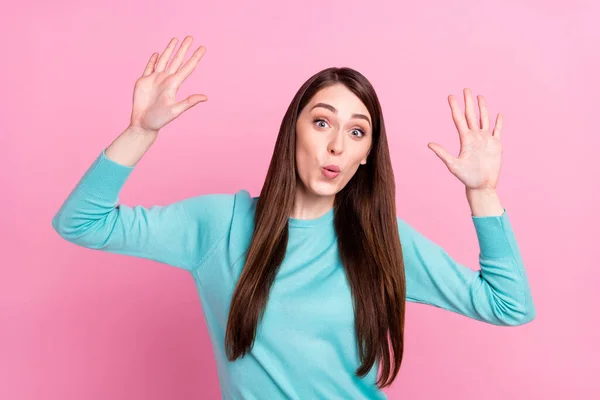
(217, 207)
(404, 228)
(202, 221)
(210, 217)
(411, 237)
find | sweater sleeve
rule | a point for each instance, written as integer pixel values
(498, 293)
(180, 234)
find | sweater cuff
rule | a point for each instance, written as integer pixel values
(105, 178)
(494, 234)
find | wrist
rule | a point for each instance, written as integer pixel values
(130, 146)
(138, 131)
(484, 202)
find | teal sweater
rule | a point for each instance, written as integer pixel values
(305, 346)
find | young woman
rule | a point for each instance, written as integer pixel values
(304, 287)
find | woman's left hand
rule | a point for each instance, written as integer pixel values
(480, 157)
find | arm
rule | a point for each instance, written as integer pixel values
(498, 293)
(179, 234)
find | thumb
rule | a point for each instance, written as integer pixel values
(441, 153)
(187, 103)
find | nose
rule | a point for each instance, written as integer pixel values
(336, 144)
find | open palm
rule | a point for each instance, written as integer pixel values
(480, 157)
(154, 103)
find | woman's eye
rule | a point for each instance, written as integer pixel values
(323, 124)
(318, 120)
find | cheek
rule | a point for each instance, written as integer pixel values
(304, 163)
(306, 149)
(350, 172)
(302, 158)
(355, 163)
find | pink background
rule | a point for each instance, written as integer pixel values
(81, 324)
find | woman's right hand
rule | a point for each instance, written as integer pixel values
(154, 104)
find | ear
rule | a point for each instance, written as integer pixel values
(364, 160)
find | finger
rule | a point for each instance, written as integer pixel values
(457, 116)
(483, 114)
(498, 126)
(150, 66)
(164, 57)
(178, 59)
(189, 66)
(470, 110)
(187, 103)
(441, 153)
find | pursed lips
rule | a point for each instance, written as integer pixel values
(332, 168)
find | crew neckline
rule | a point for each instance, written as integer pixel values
(327, 217)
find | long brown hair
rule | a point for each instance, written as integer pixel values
(367, 231)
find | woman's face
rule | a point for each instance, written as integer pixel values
(333, 131)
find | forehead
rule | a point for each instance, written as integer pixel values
(340, 97)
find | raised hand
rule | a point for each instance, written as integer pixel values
(154, 103)
(480, 157)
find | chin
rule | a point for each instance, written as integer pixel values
(324, 189)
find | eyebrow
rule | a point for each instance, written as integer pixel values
(334, 110)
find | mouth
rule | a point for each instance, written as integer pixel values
(330, 171)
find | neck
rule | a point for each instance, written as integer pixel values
(310, 205)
